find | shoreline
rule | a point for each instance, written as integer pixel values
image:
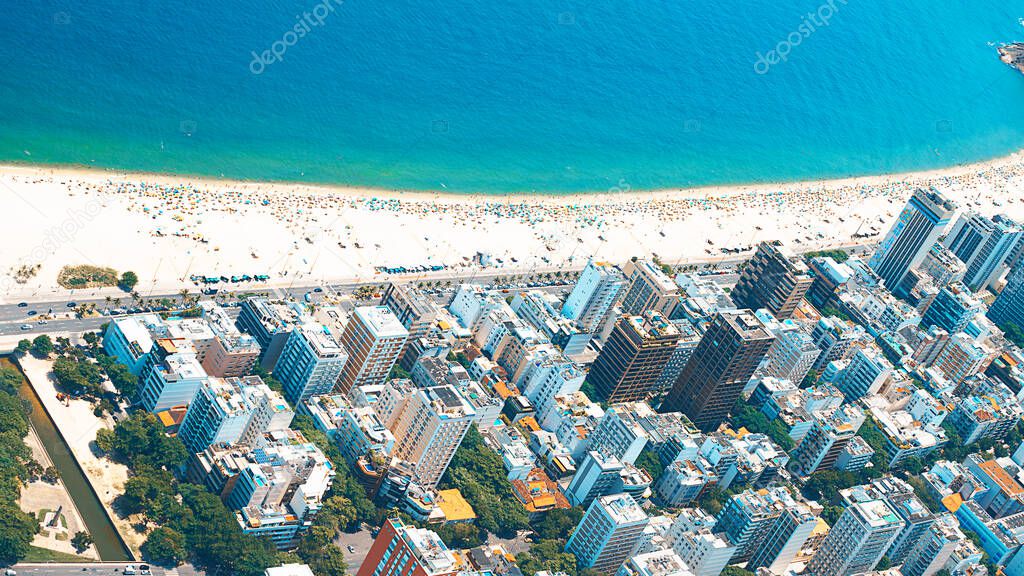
(613, 193)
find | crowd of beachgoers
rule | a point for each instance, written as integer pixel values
(332, 232)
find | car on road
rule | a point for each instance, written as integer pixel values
(9, 572)
(71, 304)
(26, 326)
(144, 570)
(318, 289)
(22, 304)
(351, 549)
(41, 321)
(32, 312)
(129, 570)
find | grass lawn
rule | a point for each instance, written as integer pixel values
(36, 554)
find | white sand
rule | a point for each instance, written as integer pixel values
(307, 234)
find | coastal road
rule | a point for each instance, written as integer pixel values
(97, 569)
(61, 318)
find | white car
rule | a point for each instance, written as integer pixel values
(26, 326)
(129, 570)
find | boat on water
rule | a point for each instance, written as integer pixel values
(1013, 54)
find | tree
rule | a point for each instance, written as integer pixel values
(24, 345)
(165, 547)
(128, 281)
(558, 523)
(460, 536)
(81, 541)
(736, 571)
(477, 471)
(10, 381)
(650, 463)
(16, 531)
(547, 555)
(42, 346)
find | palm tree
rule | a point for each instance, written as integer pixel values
(108, 300)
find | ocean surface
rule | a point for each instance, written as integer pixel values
(518, 96)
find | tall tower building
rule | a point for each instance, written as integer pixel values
(911, 237)
(984, 245)
(414, 310)
(829, 434)
(748, 518)
(935, 548)
(374, 337)
(596, 291)
(633, 358)
(597, 476)
(772, 280)
(1009, 306)
(608, 533)
(428, 425)
(232, 411)
(952, 309)
(648, 289)
(859, 539)
(731, 349)
(401, 550)
(785, 538)
(310, 362)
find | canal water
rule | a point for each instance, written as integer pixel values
(108, 541)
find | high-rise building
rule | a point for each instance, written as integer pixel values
(597, 476)
(690, 536)
(952, 309)
(620, 433)
(548, 375)
(829, 434)
(417, 312)
(170, 375)
(270, 323)
(836, 339)
(772, 280)
(231, 352)
(648, 288)
(596, 291)
(934, 548)
(828, 275)
(912, 235)
(942, 266)
(859, 539)
(749, 516)
(310, 362)
(401, 550)
(428, 425)
(657, 563)
(730, 351)
(1009, 306)
(608, 533)
(633, 357)
(866, 373)
(983, 244)
(373, 337)
(232, 411)
(785, 538)
(791, 356)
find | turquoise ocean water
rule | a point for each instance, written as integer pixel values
(480, 95)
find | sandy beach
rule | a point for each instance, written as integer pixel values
(167, 228)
